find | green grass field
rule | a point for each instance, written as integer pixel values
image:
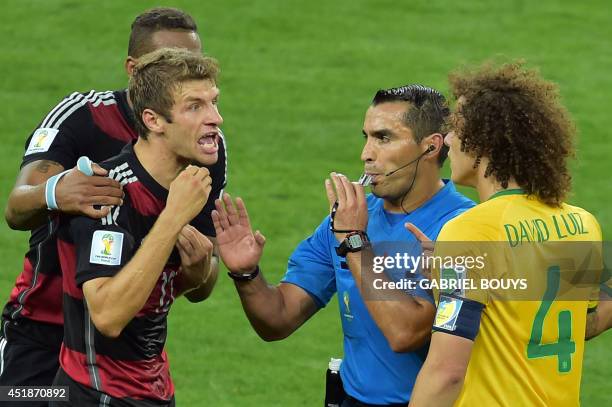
(296, 80)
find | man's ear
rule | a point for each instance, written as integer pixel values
(433, 143)
(130, 63)
(154, 122)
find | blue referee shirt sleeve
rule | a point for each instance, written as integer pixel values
(420, 292)
(311, 266)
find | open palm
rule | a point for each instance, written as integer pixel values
(239, 247)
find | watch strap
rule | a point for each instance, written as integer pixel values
(244, 276)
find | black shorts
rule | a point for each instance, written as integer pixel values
(350, 401)
(83, 396)
(29, 353)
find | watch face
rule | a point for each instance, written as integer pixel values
(355, 242)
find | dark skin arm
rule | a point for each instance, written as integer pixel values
(274, 311)
(75, 193)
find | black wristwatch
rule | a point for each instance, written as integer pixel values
(352, 243)
(244, 276)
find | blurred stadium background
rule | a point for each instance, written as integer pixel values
(296, 80)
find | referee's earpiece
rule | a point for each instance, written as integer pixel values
(430, 148)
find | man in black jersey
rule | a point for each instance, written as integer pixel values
(98, 125)
(120, 273)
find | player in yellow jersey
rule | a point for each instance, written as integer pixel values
(510, 140)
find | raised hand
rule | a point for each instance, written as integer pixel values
(77, 193)
(352, 209)
(239, 247)
(188, 193)
(195, 250)
(426, 244)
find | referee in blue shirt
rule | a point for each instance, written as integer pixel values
(385, 342)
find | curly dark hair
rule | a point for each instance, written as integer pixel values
(512, 116)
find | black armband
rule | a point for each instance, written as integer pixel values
(458, 316)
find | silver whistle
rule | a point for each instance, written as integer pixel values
(365, 180)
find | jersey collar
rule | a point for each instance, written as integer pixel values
(424, 209)
(515, 191)
(143, 176)
(124, 107)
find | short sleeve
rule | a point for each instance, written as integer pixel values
(56, 138)
(101, 250)
(311, 266)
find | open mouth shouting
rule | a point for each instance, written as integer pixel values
(209, 142)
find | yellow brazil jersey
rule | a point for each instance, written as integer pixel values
(530, 344)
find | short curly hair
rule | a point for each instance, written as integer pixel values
(512, 116)
(154, 20)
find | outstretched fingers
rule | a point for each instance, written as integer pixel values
(425, 241)
(222, 218)
(243, 215)
(232, 214)
(420, 236)
(260, 239)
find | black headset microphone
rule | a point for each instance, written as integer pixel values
(417, 160)
(429, 150)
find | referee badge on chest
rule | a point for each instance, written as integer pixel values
(106, 248)
(346, 299)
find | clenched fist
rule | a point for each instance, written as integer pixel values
(188, 193)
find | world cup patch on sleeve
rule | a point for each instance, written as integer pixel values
(106, 248)
(41, 140)
(448, 312)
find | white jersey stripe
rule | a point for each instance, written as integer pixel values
(120, 174)
(90, 350)
(2, 346)
(62, 106)
(67, 99)
(22, 295)
(65, 105)
(79, 100)
(105, 102)
(225, 170)
(76, 106)
(116, 214)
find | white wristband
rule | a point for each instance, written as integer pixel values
(83, 165)
(50, 190)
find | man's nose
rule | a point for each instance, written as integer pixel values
(214, 118)
(368, 153)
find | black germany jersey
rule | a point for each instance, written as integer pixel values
(133, 365)
(97, 125)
